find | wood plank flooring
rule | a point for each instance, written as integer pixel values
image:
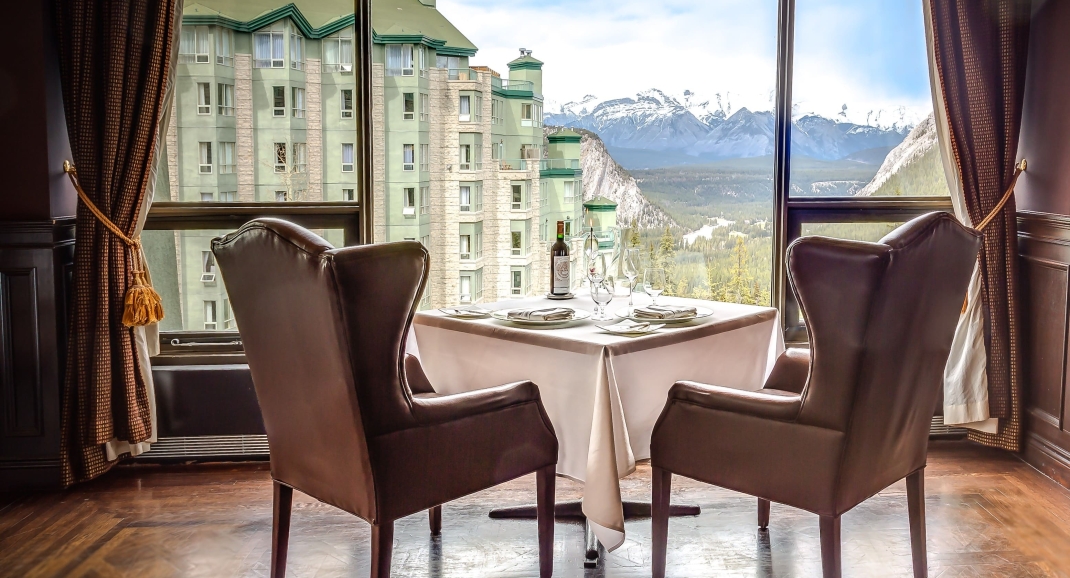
(988, 515)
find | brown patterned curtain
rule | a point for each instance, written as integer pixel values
(980, 49)
(115, 58)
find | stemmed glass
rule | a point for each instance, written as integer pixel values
(654, 282)
(631, 270)
(602, 287)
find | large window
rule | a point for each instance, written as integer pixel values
(226, 99)
(268, 49)
(338, 52)
(193, 45)
(224, 46)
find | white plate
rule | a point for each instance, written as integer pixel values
(626, 313)
(622, 329)
(470, 312)
(503, 315)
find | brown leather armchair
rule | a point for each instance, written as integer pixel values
(350, 420)
(833, 427)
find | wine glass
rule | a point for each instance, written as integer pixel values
(630, 268)
(654, 282)
(602, 287)
(591, 251)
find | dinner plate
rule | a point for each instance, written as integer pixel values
(465, 312)
(503, 315)
(626, 313)
(622, 329)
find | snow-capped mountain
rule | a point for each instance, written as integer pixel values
(602, 176)
(913, 168)
(655, 120)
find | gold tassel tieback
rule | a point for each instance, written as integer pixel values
(142, 305)
(1018, 170)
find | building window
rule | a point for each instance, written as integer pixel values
(209, 316)
(477, 108)
(425, 158)
(518, 196)
(347, 103)
(465, 288)
(226, 158)
(278, 101)
(297, 51)
(516, 242)
(399, 60)
(526, 114)
(426, 241)
(280, 157)
(204, 98)
(410, 202)
(267, 48)
(205, 166)
(517, 285)
(298, 101)
(408, 160)
(466, 198)
(466, 108)
(347, 195)
(466, 247)
(226, 99)
(409, 110)
(347, 157)
(497, 111)
(228, 316)
(421, 54)
(207, 264)
(338, 52)
(228, 196)
(300, 157)
(281, 196)
(207, 197)
(479, 241)
(224, 46)
(570, 191)
(193, 46)
(425, 200)
(425, 108)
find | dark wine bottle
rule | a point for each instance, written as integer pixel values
(560, 284)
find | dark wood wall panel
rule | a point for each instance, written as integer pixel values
(20, 363)
(1044, 272)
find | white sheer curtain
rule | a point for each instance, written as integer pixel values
(147, 338)
(965, 377)
(263, 47)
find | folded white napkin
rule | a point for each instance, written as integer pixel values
(665, 312)
(544, 314)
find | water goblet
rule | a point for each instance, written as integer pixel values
(654, 282)
(631, 270)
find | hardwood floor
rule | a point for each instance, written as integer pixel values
(988, 515)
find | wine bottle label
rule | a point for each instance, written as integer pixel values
(561, 275)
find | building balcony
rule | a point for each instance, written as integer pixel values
(506, 87)
(549, 168)
(517, 164)
(462, 74)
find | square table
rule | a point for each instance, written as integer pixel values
(602, 392)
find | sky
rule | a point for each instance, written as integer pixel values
(866, 54)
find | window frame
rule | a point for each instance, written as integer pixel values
(204, 99)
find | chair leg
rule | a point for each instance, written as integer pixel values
(659, 515)
(831, 562)
(282, 502)
(763, 514)
(435, 516)
(545, 480)
(382, 548)
(916, 507)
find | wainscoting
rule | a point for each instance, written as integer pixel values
(1044, 246)
(36, 264)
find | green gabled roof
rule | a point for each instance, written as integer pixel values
(565, 136)
(393, 21)
(526, 62)
(600, 203)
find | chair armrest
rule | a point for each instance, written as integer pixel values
(769, 404)
(432, 408)
(790, 371)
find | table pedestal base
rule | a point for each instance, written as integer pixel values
(574, 509)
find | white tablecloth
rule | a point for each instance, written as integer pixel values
(603, 392)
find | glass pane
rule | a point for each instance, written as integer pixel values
(185, 275)
(871, 232)
(862, 123)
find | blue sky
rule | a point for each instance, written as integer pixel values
(867, 54)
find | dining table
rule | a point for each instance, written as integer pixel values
(603, 392)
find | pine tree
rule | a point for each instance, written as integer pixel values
(634, 240)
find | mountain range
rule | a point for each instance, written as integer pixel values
(656, 129)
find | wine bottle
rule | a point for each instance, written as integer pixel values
(560, 284)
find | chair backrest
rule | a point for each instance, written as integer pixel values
(323, 331)
(881, 318)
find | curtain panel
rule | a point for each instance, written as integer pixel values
(116, 57)
(980, 49)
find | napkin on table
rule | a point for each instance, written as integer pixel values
(665, 312)
(545, 314)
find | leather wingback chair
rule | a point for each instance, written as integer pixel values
(350, 419)
(833, 427)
